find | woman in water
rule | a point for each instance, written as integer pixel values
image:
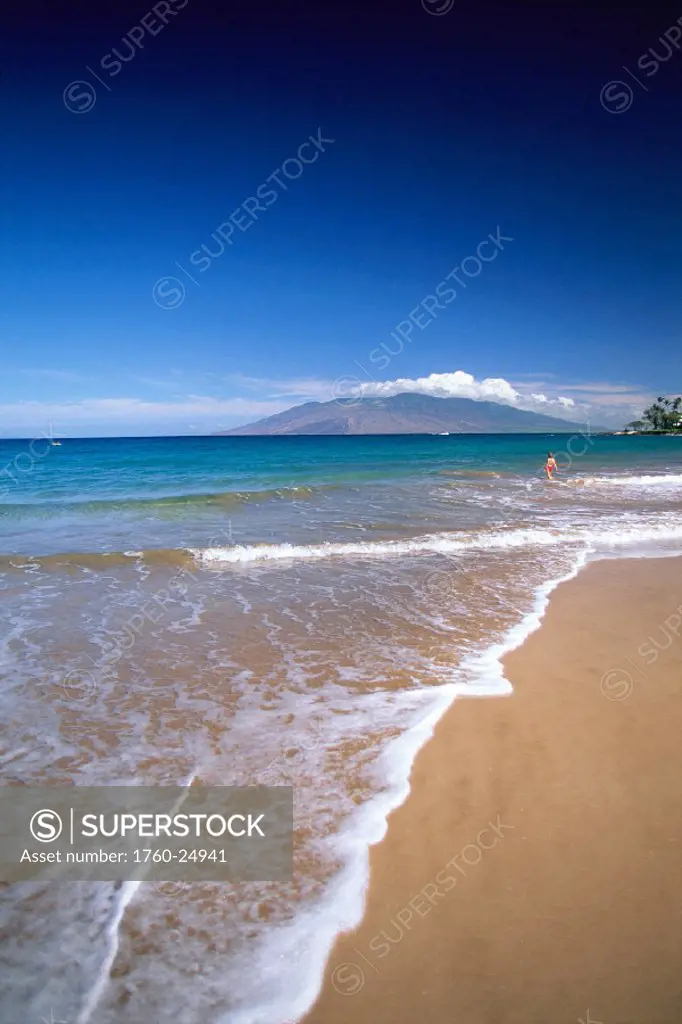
(550, 466)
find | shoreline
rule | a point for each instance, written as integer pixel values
(373, 820)
(368, 964)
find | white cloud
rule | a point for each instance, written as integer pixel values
(567, 403)
(460, 385)
(445, 385)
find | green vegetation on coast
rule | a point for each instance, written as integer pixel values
(664, 416)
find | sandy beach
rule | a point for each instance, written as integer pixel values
(535, 871)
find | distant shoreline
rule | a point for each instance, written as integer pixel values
(451, 433)
(643, 433)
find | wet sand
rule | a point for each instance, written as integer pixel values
(535, 872)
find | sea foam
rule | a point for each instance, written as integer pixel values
(442, 542)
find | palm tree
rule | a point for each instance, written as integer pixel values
(662, 415)
(652, 415)
(671, 416)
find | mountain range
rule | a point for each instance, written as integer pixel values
(407, 413)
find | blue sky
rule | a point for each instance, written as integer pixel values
(446, 130)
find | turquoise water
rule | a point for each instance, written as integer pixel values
(268, 610)
(105, 495)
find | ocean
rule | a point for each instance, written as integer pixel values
(241, 610)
